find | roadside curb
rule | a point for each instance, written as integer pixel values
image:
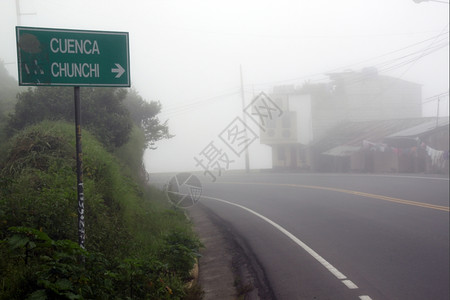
(194, 274)
(227, 269)
(215, 274)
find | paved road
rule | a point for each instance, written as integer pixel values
(320, 236)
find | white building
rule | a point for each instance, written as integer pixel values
(311, 111)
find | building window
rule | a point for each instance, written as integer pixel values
(286, 121)
(302, 154)
(281, 153)
(271, 123)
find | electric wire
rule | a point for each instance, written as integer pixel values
(193, 105)
(197, 101)
(399, 63)
(322, 78)
(424, 52)
(438, 42)
(434, 98)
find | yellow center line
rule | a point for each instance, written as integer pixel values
(362, 194)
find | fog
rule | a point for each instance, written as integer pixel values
(188, 54)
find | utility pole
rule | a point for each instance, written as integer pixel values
(437, 113)
(19, 13)
(247, 158)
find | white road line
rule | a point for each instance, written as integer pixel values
(313, 253)
(350, 284)
(365, 297)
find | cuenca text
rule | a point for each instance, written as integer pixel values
(73, 46)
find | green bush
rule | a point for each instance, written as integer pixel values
(137, 246)
(180, 252)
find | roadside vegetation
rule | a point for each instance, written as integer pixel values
(137, 245)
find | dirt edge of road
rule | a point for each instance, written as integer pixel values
(228, 269)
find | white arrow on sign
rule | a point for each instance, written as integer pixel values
(119, 70)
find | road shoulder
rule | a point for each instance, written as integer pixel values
(227, 269)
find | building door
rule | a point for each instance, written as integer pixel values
(293, 156)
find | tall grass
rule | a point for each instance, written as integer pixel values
(129, 224)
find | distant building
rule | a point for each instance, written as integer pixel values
(325, 124)
(400, 145)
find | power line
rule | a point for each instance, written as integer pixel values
(385, 66)
(350, 65)
(413, 53)
(197, 101)
(424, 52)
(398, 63)
(434, 98)
(188, 107)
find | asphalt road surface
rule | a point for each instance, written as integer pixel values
(330, 236)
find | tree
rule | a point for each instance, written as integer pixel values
(8, 91)
(144, 115)
(102, 111)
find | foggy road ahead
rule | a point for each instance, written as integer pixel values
(320, 236)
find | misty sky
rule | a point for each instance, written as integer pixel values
(187, 54)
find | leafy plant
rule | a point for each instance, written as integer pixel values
(145, 116)
(56, 271)
(180, 252)
(103, 111)
(138, 247)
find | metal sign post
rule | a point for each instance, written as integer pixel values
(80, 187)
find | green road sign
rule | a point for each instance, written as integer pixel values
(49, 57)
